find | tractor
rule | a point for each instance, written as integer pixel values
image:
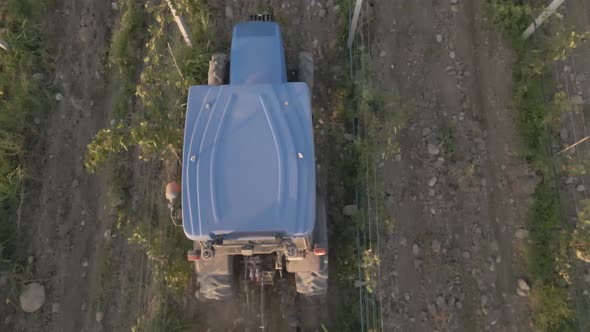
(248, 191)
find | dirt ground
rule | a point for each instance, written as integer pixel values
(63, 221)
(453, 260)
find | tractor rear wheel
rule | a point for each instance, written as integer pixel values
(217, 69)
(305, 69)
(214, 287)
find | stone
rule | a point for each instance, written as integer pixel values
(522, 284)
(484, 300)
(452, 55)
(426, 131)
(350, 210)
(466, 255)
(322, 12)
(37, 121)
(436, 246)
(521, 234)
(433, 149)
(38, 76)
(417, 264)
(451, 301)
(416, 249)
(108, 234)
(382, 53)
(439, 38)
(577, 100)
(32, 297)
(75, 183)
(403, 241)
(59, 96)
(458, 305)
(580, 188)
(407, 296)
(440, 301)
(432, 181)
(521, 292)
(99, 316)
(229, 12)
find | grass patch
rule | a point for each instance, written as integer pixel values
(148, 117)
(448, 142)
(23, 96)
(538, 113)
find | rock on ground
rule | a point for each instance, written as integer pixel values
(32, 297)
(522, 284)
(350, 210)
(521, 234)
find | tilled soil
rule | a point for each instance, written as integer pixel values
(452, 261)
(63, 223)
(458, 191)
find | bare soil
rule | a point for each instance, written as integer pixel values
(65, 216)
(453, 261)
(463, 274)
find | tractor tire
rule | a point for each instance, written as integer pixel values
(312, 283)
(305, 69)
(214, 287)
(217, 69)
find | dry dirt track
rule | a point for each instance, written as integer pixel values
(63, 224)
(453, 261)
(463, 274)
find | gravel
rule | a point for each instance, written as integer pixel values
(432, 181)
(416, 249)
(436, 246)
(433, 149)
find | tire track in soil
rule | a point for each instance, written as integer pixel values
(462, 274)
